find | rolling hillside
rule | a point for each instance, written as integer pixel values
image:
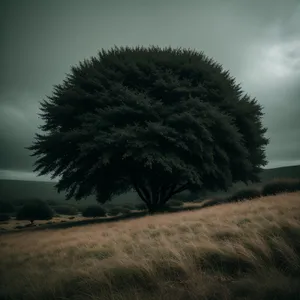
(17, 189)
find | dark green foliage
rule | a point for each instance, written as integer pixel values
(66, 210)
(159, 121)
(52, 202)
(175, 203)
(118, 210)
(94, 211)
(82, 207)
(245, 194)
(35, 210)
(241, 195)
(281, 186)
(194, 196)
(140, 206)
(4, 217)
(20, 202)
(6, 207)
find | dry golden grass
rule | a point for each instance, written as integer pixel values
(248, 250)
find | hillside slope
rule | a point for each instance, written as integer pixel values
(248, 250)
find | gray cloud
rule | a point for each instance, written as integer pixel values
(258, 41)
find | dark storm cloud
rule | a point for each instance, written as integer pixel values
(258, 41)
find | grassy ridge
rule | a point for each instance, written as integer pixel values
(248, 250)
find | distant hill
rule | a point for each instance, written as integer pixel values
(283, 172)
(17, 189)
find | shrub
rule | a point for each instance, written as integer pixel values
(4, 217)
(245, 194)
(35, 210)
(108, 206)
(94, 211)
(19, 202)
(52, 202)
(278, 186)
(118, 210)
(82, 207)
(66, 210)
(6, 207)
(141, 206)
(175, 203)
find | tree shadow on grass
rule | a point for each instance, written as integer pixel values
(129, 216)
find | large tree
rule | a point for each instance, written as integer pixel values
(159, 121)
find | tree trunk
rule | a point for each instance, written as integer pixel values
(155, 207)
(155, 195)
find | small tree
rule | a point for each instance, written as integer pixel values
(35, 210)
(94, 211)
(159, 121)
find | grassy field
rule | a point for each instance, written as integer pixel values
(247, 250)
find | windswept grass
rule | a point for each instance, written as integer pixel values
(247, 250)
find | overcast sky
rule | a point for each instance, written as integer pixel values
(257, 40)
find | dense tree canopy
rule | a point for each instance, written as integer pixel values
(159, 121)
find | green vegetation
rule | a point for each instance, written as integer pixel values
(35, 210)
(10, 190)
(168, 120)
(114, 211)
(141, 206)
(65, 210)
(52, 202)
(281, 186)
(94, 211)
(245, 194)
(6, 207)
(274, 187)
(187, 196)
